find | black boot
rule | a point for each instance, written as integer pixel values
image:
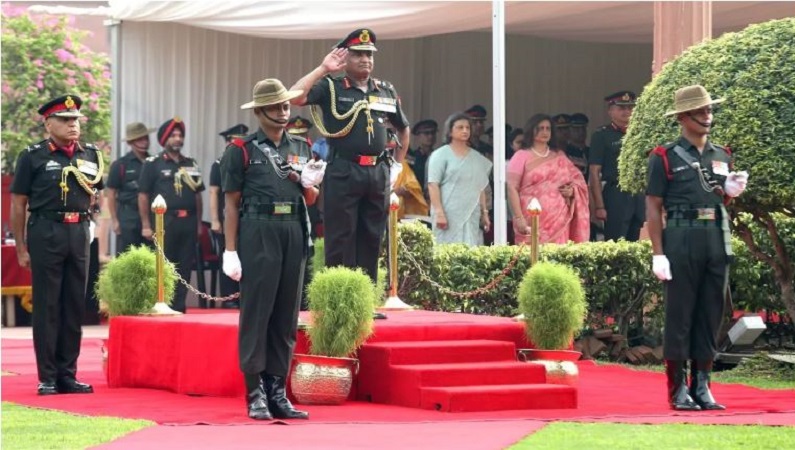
(255, 398)
(678, 398)
(278, 401)
(699, 385)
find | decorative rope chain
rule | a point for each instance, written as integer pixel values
(445, 290)
(355, 110)
(189, 286)
(82, 179)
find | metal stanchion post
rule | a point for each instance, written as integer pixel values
(534, 209)
(393, 302)
(161, 308)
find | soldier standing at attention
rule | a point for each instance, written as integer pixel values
(228, 286)
(623, 214)
(123, 188)
(356, 110)
(178, 179)
(266, 223)
(691, 180)
(56, 180)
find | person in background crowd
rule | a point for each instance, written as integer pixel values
(693, 249)
(227, 286)
(298, 126)
(541, 172)
(562, 124)
(577, 149)
(623, 214)
(56, 180)
(123, 187)
(425, 132)
(458, 177)
(178, 179)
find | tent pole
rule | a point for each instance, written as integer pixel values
(498, 94)
(114, 28)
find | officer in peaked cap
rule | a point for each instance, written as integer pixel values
(56, 180)
(359, 173)
(299, 126)
(178, 179)
(123, 187)
(561, 122)
(577, 149)
(477, 117)
(425, 132)
(623, 214)
(228, 286)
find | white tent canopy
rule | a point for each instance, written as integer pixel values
(592, 21)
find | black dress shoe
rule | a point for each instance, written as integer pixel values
(47, 388)
(379, 315)
(72, 386)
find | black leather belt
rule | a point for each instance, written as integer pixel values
(63, 216)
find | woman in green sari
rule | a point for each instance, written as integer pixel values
(457, 178)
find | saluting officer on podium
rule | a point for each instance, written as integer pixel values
(56, 180)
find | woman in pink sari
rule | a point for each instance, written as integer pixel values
(547, 174)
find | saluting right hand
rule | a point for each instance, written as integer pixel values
(147, 233)
(336, 60)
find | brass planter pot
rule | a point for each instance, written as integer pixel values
(321, 380)
(560, 365)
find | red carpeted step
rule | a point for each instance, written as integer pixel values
(497, 398)
(439, 352)
(407, 381)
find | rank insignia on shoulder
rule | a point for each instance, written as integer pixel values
(151, 158)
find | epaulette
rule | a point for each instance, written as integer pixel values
(217, 161)
(299, 138)
(249, 138)
(36, 146)
(662, 152)
(725, 149)
(91, 146)
(604, 128)
(384, 83)
(151, 158)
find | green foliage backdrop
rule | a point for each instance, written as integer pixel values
(42, 58)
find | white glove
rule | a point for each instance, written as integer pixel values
(661, 267)
(735, 183)
(313, 172)
(232, 267)
(92, 231)
(394, 173)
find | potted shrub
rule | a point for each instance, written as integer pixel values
(127, 285)
(341, 302)
(552, 300)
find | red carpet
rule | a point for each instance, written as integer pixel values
(611, 393)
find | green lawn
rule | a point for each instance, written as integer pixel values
(30, 428)
(614, 436)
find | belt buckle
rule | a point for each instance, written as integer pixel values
(367, 160)
(181, 213)
(281, 208)
(71, 217)
(706, 214)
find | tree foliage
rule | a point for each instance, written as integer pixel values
(754, 71)
(43, 58)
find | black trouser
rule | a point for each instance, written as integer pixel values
(91, 315)
(59, 266)
(130, 224)
(272, 254)
(626, 213)
(228, 286)
(694, 298)
(355, 212)
(180, 249)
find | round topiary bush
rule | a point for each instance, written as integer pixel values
(341, 301)
(127, 285)
(750, 70)
(753, 70)
(552, 300)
